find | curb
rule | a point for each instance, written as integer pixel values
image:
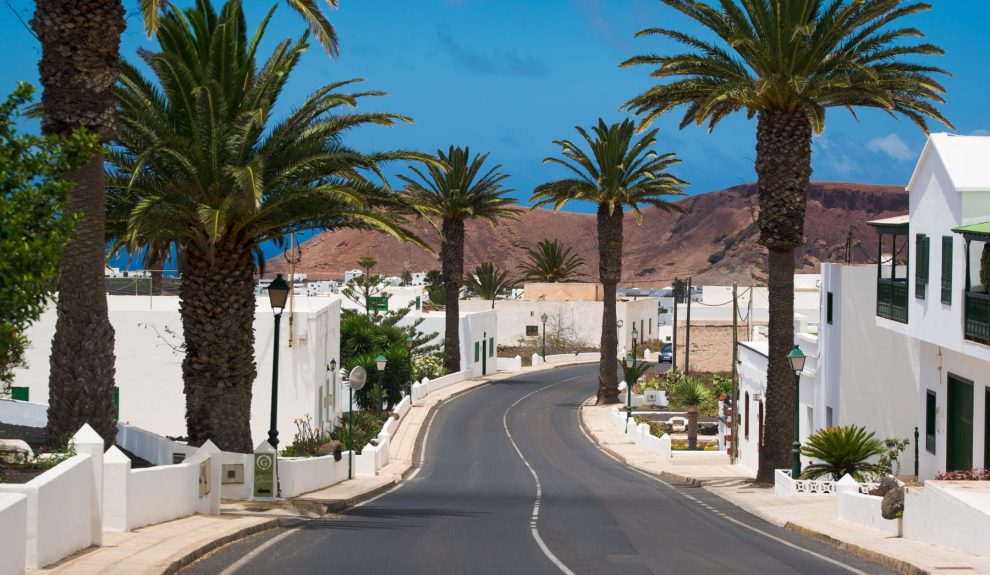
(881, 559)
(329, 507)
(886, 561)
(184, 561)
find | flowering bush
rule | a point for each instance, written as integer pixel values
(967, 475)
(427, 365)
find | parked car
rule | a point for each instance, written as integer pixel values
(666, 354)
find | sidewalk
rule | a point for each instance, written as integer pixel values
(813, 517)
(165, 548)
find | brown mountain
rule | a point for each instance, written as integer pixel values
(714, 239)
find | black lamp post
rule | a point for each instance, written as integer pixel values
(544, 318)
(380, 363)
(630, 364)
(796, 358)
(278, 292)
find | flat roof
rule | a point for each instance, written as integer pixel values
(896, 221)
(980, 230)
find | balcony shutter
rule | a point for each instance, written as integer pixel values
(947, 270)
(921, 266)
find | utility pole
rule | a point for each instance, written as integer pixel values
(687, 332)
(734, 450)
(673, 346)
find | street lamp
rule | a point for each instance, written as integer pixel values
(410, 340)
(330, 392)
(380, 362)
(544, 318)
(630, 364)
(796, 358)
(635, 337)
(355, 382)
(278, 292)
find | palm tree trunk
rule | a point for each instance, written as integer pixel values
(783, 167)
(81, 380)
(452, 266)
(80, 63)
(217, 306)
(610, 271)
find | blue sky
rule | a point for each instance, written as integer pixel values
(509, 76)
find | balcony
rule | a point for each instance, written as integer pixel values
(892, 299)
(978, 317)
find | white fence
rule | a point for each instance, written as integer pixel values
(856, 507)
(298, 475)
(139, 497)
(149, 446)
(428, 386)
(16, 412)
(13, 533)
(537, 359)
(508, 363)
(784, 486)
(63, 506)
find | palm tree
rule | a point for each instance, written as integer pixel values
(618, 172)
(787, 62)
(487, 282)
(692, 394)
(454, 191)
(217, 176)
(79, 67)
(552, 261)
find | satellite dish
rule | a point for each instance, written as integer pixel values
(358, 376)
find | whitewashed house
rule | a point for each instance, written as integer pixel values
(149, 353)
(904, 345)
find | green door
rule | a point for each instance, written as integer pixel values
(986, 428)
(484, 357)
(959, 453)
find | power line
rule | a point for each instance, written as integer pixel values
(21, 20)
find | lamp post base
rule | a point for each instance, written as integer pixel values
(796, 460)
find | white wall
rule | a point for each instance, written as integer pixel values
(949, 514)
(23, 413)
(752, 384)
(13, 533)
(59, 505)
(149, 363)
(869, 374)
(475, 325)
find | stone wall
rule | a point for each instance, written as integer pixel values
(711, 345)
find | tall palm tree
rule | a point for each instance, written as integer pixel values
(552, 262)
(218, 176)
(79, 67)
(453, 191)
(787, 62)
(617, 171)
(487, 282)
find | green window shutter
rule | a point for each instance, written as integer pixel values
(491, 347)
(20, 393)
(921, 266)
(477, 352)
(828, 307)
(947, 270)
(930, 422)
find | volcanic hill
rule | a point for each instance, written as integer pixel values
(714, 239)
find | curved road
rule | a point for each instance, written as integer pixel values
(474, 506)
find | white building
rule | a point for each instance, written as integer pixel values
(573, 310)
(148, 342)
(905, 344)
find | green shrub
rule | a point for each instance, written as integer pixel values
(308, 439)
(721, 384)
(842, 450)
(428, 365)
(689, 392)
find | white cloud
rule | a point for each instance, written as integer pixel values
(893, 146)
(980, 132)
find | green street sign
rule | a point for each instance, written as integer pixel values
(264, 475)
(378, 303)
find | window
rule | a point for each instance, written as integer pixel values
(921, 266)
(651, 326)
(477, 352)
(828, 307)
(491, 347)
(532, 330)
(746, 417)
(947, 270)
(828, 416)
(930, 422)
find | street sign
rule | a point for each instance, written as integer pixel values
(264, 475)
(378, 303)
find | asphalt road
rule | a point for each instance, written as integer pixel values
(511, 485)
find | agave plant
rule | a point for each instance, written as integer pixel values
(842, 450)
(692, 394)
